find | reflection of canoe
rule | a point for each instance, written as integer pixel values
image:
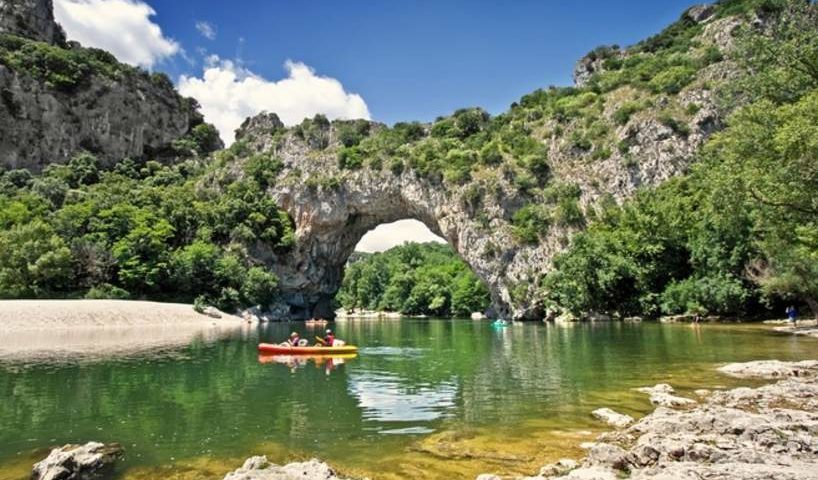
(287, 359)
(288, 350)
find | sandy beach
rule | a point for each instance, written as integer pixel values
(90, 328)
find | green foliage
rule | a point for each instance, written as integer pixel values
(60, 68)
(350, 158)
(672, 80)
(350, 133)
(413, 279)
(141, 231)
(531, 221)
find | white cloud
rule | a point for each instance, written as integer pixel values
(123, 27)
(229, 93)
(207, 29)
(383, 237)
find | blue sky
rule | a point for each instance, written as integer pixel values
(414, 60)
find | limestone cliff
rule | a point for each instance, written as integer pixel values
(32, 19)
(506, 209)
(57, 99)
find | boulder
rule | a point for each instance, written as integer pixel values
(259, 468)
(662, 395)
(76, 462)
(770, 369)
(612, 418)
(212, 312)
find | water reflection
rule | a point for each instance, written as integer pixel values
(295, 362)
(386, 397)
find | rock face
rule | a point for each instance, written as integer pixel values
(766, 433)
(76, 462)
(258, 468)
(114, 111)
(333, 206)
(31, 19)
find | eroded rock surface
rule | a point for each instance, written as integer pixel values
(76, 462)
(31, 19)
(765, 433)
(259, 468)
(612, 418)
(115, 113)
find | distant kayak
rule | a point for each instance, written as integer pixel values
(500, 323)
(288, 350)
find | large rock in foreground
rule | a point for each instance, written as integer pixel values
(259, 468)
(76, 462)
(765, 433)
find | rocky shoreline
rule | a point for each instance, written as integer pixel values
(763, 433)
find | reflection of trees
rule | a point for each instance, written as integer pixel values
(217, 398)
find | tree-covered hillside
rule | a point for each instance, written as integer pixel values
(413, 279)
(677, 175)
(740, 232)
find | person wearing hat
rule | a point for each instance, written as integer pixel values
(294, 339)
(329, 338)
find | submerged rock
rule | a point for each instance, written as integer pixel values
(259, 468)
(662, 395)
(76, 462)
(612, 418)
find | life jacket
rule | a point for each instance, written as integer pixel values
(294, 341)
(329, 339)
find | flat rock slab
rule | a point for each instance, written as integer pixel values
(259, 468)
(76, 462)
(771, 369)
(662, 395)
(612, 418)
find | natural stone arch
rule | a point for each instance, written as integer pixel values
(333, 208)
(330, 221)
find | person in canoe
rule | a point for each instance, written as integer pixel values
(329, 338)
(295, 340)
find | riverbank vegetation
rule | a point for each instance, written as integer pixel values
(738, 233)
(413, 279)
(140, 230)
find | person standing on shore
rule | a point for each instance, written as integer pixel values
(792, 314)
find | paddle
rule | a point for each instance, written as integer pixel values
(323, 342)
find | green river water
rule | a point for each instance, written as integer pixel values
(423, 399)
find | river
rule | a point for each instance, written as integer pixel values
(424, 398)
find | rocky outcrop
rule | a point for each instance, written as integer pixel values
(98, 105)
(77, 462)
(258, 468)
(31, 19)
(771, 369)
(612, 418)
(332, 205)
(765, 433)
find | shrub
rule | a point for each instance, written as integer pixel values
(107, 292)
(529, 222)
(673, 79)
(350, 158)
(679, 128)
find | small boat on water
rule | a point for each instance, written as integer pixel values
(314, 350)
(316, 322)
(500, 323)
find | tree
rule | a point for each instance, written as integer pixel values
(33, 261)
